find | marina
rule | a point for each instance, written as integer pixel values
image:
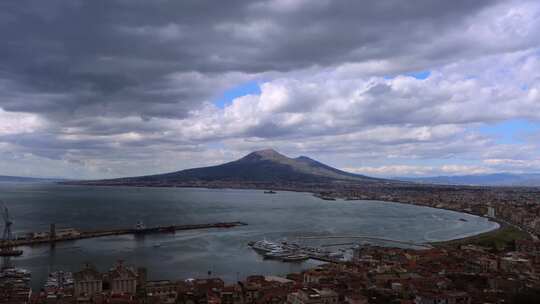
(292, 252)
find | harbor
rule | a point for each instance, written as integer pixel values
(288, 251)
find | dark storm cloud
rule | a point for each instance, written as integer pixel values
(105, 56)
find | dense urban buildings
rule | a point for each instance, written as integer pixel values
(446, 274)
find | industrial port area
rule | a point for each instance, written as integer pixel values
(15, 282)
(9, 243)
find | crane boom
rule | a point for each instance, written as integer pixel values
(7, 237)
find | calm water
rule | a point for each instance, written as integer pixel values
(194, 253)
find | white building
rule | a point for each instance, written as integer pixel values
(123, 280)
(88, 282)
(491, 212)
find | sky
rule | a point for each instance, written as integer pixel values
(110, 88)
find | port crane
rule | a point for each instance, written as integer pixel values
(7, 251)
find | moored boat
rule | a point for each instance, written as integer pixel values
(277, 254)
(295, 258)
(264, 246)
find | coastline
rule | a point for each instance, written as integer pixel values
(498, 239)
(460, 240)
(471, 238)
(452, 242)
(504, 234)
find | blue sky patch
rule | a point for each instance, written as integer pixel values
(510, 131)
(248, 88)
(418, 75)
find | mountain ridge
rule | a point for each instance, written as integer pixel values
(263, 166)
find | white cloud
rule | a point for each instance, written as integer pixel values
(313, 105)
(16, 122)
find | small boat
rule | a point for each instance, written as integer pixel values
(269, 192)
(140, 227)
(325, 197)
(295, 258)
(264, 246)
(463, 220)
(335, 255)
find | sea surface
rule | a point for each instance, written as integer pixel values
(218, 252)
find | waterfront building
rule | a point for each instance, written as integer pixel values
(122, 279)
(442, 298)
(59, 287)
(163, 291)
(88, 282)
(356, 299)
(515, 263)
(491, 212)
(316, 276)
(313, 296)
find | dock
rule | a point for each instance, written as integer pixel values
(112, 232)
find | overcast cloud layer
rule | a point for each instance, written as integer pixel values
(92, 89)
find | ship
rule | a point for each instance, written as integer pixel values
(283, 251)
(10, 252)
(264, 246)
(140, 227)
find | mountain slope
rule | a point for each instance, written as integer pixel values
(265, 166)
(497, 179)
